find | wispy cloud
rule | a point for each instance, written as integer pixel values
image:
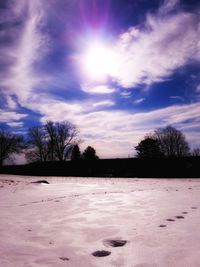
(115, 132)
(198, 88)
(125, 94)
(11, 102)
(168, 6)
(28, 48)
(15, 124)
(104, 103)
(138, 101)
(11, 116)
(177, 97)
(151, 53)
(98, 89)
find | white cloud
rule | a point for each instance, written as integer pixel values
(117, 132)
(29, 47)
(98, 89)
(52, 109)
(11, 102)
(10, 116)
(168, 6)
(177, 97)
(104, 103)
(59, 110)
(151, 54)
(125, 94)
(198, 88)
(15, 124)
(138, 101)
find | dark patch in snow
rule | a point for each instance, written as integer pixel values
(115, 243)
(179, 217)
(40, 182)
(64, 258)
(101, 253)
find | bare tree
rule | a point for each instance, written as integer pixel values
(51, 133)
(196, 152)
(62, 136)
(9, 144)
(172, 142)
(39, 144)
(53, 141)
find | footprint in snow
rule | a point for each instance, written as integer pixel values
(64, 258)
(114, 242)
(101, 253)
(179, 217)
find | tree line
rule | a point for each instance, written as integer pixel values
(55, 141)
(165, 142)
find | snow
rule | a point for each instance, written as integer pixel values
(64, 222)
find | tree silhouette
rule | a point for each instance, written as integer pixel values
(196, 152)
(52, 141)
(167, 142)
(75, 154)
(39, 148)
(9, 143)
(90, 154)
(148, 148)
(62, 136)
(172, 142)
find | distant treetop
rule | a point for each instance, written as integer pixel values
(89, 154)
(164, 142)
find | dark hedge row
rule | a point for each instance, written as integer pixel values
(186, 167)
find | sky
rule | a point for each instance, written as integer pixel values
(117, 69)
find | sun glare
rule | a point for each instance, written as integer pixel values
(98, 62)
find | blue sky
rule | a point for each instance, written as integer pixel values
(116, 69)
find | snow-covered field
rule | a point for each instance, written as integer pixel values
(64, 222)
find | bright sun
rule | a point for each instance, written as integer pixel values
(98, 62)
